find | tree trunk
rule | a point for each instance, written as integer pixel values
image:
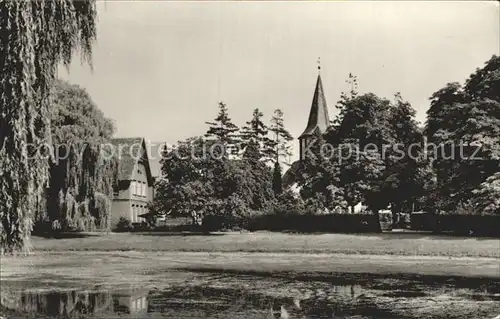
(395, 209)
(378, 228)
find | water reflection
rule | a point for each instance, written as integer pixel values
(242, 296)
(260, 299)
(75, 303)
(132, 302)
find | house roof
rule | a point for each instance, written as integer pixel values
(155, 154)
(318, 115)
(129, 151)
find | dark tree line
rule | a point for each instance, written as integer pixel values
(374, 153)
(226, 173)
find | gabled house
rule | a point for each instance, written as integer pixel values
(135, 188)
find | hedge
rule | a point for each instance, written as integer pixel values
(423, 221)
(487, 225)
(480, 225)
(332, 223)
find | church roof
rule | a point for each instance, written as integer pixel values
(318, 116)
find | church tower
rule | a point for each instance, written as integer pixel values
(318, 117)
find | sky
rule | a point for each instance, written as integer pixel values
(160, 67)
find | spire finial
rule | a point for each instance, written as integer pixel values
(319, 64)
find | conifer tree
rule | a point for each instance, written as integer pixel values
(281, 138)
(277, 179)
(254, 134)
(223, 131)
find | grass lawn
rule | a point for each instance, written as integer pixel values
(154, 267)
(404, 244)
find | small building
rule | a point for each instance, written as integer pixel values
(135, 188)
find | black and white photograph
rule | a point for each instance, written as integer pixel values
(249, 159)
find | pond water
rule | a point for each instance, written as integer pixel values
(252, 295)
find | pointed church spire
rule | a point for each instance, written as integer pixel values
(318, 115)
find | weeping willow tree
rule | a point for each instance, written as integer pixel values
(35, 38)
(81, 175)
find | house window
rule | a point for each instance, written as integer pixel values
(132, 187)
(144, 190)
(137, 190)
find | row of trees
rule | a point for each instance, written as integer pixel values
(378, 156)
(238, 183)
(270, 142)
(225, 173)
